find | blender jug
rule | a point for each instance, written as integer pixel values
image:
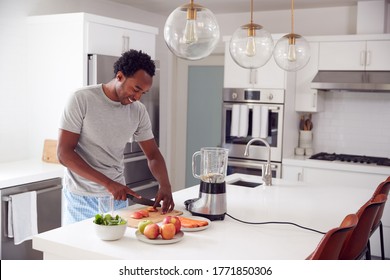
(213, 164)
(211, 202)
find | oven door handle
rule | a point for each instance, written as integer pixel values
(272, 108)
(40, 191)
(250, 164)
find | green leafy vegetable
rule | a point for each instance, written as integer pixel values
(109, 220)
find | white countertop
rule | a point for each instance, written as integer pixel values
(303, 161)
(27, 171)
(318, 207)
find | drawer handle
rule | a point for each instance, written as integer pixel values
(132, 159)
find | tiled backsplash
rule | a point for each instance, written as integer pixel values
(353, 123)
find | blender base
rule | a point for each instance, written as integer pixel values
(211, 202)
(212, 217)
(220, 217)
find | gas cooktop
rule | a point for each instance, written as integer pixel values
(352, 158)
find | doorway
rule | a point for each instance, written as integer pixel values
(204, 112)
(189, 99)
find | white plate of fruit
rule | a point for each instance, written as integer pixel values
(168, 232)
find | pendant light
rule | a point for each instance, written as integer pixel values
(191, 31)
(292, 51)
(251, 46)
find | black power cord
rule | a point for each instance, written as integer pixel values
(265, 223)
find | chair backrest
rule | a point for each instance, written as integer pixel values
(383, 188)
(330, 245)
(356, 242)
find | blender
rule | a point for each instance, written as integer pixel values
(211, 202)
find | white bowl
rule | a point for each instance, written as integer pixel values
(113, 232)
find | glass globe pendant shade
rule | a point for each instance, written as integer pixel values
(251, 46)
(292, 52)
(191, 32)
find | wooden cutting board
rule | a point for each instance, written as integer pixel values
(50, 151)
(155, 217)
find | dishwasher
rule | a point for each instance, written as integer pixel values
(49, 196)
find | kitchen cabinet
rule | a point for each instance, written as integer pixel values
(370, 55)
(329, 176)
(349, 175)
(112, 40)
(306, 98)
(57, 63)
(268, 76)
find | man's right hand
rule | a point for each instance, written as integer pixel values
(120, 191)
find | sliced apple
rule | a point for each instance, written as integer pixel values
(145, 213)
(137, 215)
(151, 209)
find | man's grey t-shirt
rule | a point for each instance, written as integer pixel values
(105, 126)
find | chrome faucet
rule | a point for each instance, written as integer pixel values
(267, 173)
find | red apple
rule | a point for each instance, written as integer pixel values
(151, 231)
(173, 220)
(168, 231)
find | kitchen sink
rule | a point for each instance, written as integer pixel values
(243, 183)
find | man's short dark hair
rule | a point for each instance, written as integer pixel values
(132, 61)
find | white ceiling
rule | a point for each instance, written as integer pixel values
(165, 7)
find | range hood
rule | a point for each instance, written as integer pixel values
(352, 80)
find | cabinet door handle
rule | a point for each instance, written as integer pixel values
(299, 176)
(314, 99)
(368, 58)
(253, 76)
(125, 43)
(362, 58)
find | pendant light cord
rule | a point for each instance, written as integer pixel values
(251, 11)
(292, 16)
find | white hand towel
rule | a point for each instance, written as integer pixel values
(244, 118)
(264, 122)
(256, 117)
(234, 129)
(24, 216)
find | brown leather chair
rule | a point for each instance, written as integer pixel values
(383, 188)
(355, 245)
(330, 245)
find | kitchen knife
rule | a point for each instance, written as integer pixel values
(142, 200)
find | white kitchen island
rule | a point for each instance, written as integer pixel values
(317, 207)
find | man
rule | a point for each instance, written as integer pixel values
(95, 126)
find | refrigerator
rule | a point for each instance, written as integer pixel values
(137, 173)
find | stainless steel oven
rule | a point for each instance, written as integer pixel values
(138, 176)
(245, 113)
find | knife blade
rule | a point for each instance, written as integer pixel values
(142, 200)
